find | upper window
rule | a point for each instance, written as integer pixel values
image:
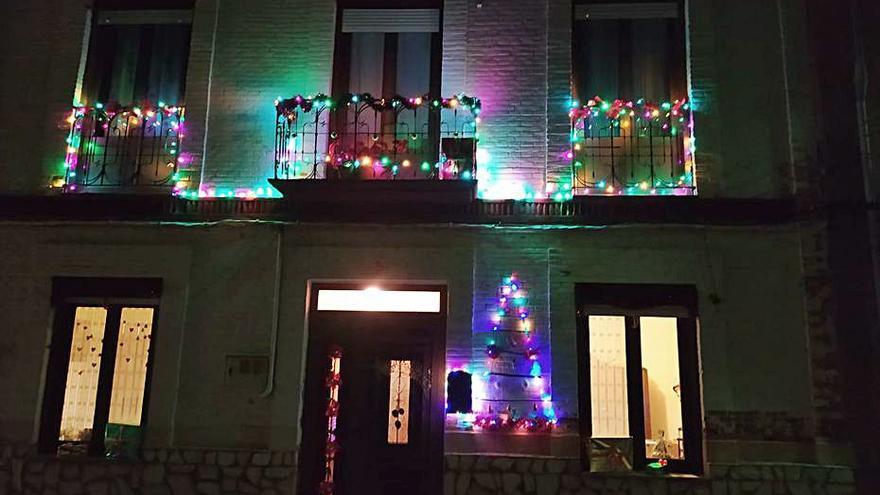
(628, 51)
(99, 366)
(382, 54)
(631, 125)
(386, 52)
(640, 391)
(137, 58)
(128, 119)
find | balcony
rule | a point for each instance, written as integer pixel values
(358, 147)
(123, 148)
(632, 148)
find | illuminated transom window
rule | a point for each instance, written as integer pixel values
(378, 300)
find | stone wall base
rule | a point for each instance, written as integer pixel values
(215, 472)
(482, 475)
(157, 472)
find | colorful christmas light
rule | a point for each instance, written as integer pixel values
(101, 120)
(670, 120)
(289, 106)
(511, 320)
(377, 157)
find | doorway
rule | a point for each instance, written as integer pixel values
(373, 397)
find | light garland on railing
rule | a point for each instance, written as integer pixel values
(669, 113)
(136, 115)
(289, 106)
(673, 118)
(379, 157)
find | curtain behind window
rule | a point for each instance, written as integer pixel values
(367, 54)
(413, 71)
(413, 63)
(622, 58)
(134, 64)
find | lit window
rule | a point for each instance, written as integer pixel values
(403, 301)
(661, 382)
(130, 372)
(96, 381)
(400, 373)
(83, 370)
(641, 364)
(608, 376)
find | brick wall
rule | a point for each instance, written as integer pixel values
(39, 59)
(263, 50)
(498, 51)
(753, 136)
(753, 338)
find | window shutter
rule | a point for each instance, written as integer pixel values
(138, 17)
(390, 21)
(604, 11)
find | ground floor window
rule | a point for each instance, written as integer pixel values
(639, 377)
(99, 366)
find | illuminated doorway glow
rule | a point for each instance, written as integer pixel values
(375, 300)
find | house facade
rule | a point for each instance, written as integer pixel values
(461, 247)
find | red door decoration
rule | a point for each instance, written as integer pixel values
(332, 446)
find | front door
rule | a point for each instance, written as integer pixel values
(373, 409)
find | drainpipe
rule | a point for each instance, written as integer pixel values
(208, 98)
(276, 307)
(783, 40)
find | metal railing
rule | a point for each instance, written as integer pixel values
(631, 148)
(123, 147)
(360, 137)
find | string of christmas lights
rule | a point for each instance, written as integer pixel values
(654, 142)
(91, 127)
(512, 318)
(289, 106)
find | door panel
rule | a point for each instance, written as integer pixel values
(373, 455)
(368, 458)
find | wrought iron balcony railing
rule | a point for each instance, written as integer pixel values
(123, 147)
(631, 148)
(358, 136)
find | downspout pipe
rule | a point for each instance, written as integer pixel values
(276, 317)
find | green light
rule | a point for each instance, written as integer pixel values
(386, 160)
(426, 166)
